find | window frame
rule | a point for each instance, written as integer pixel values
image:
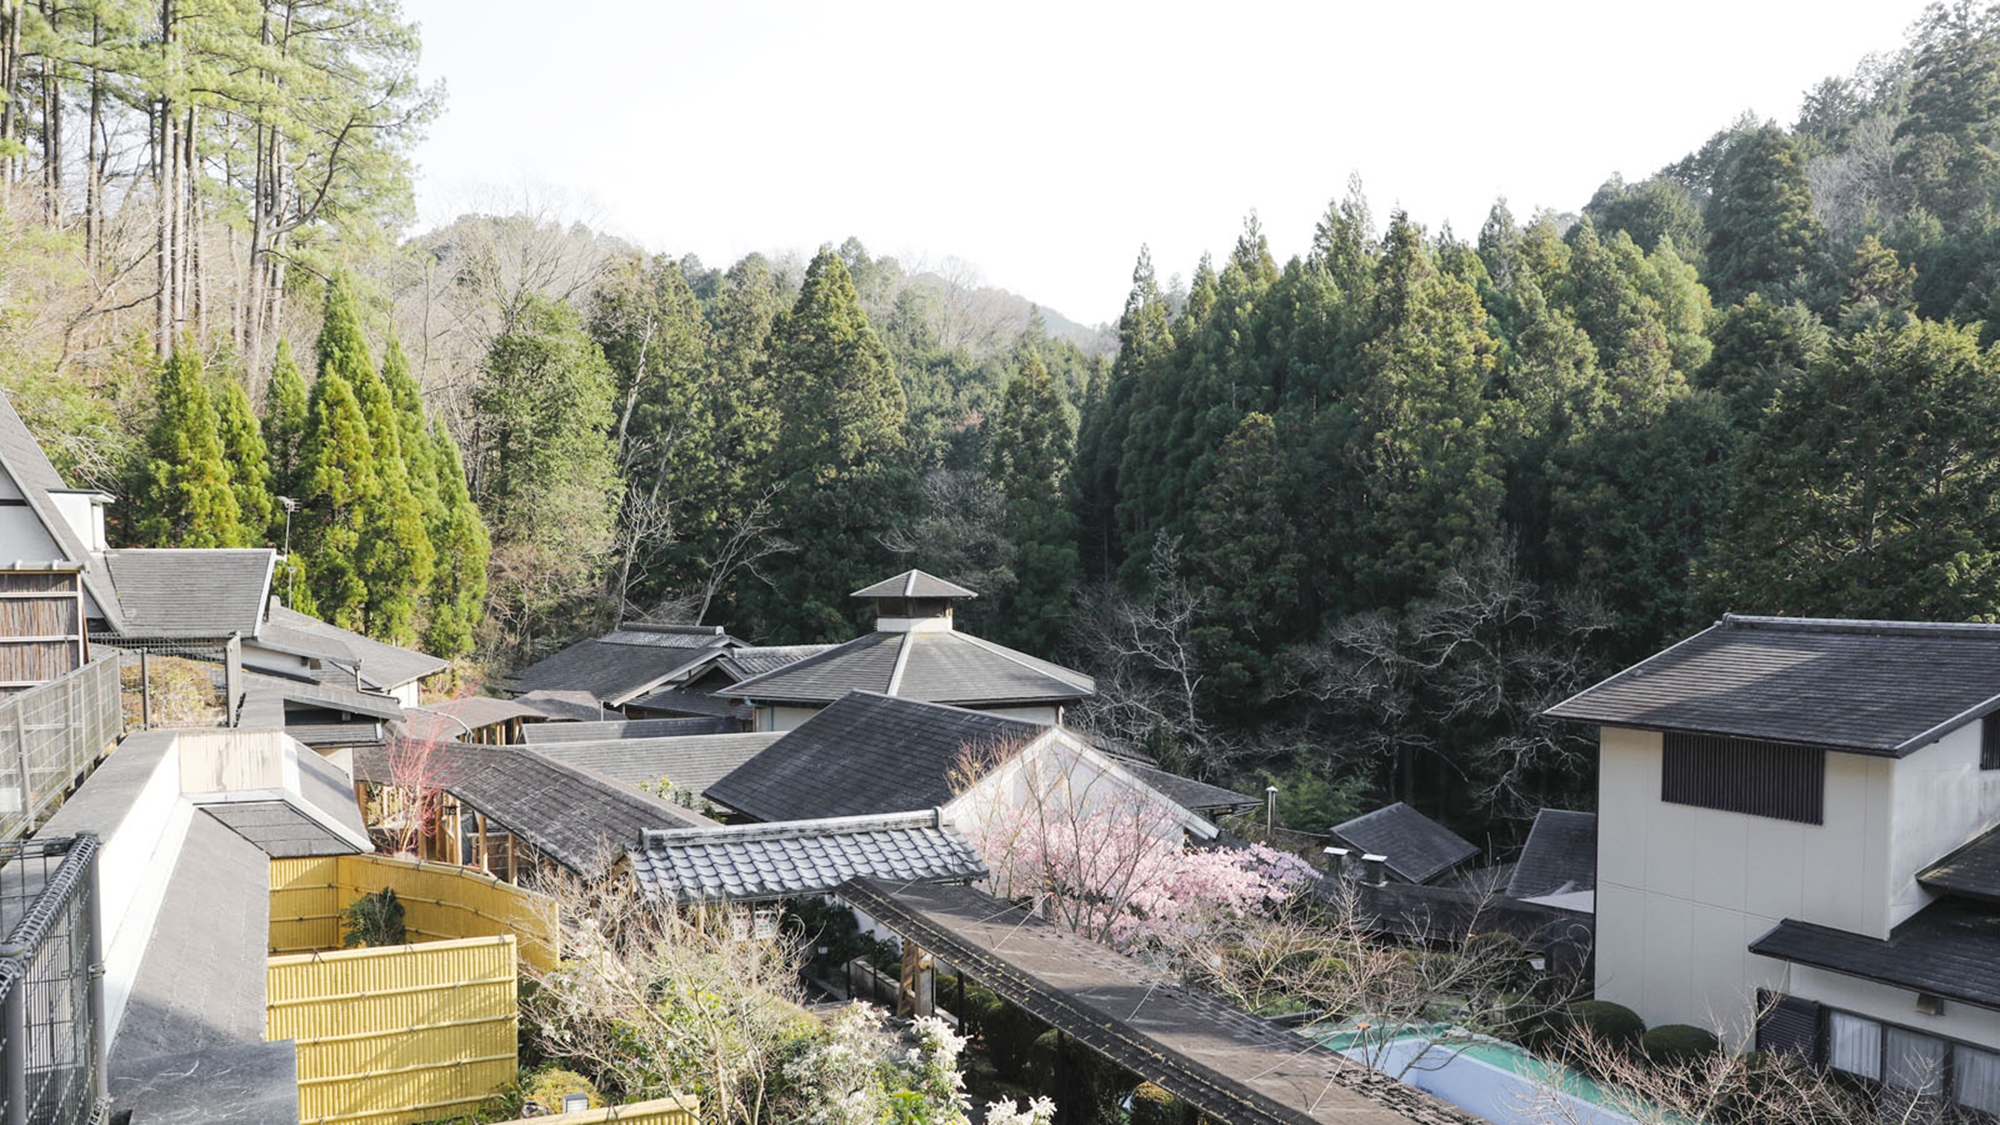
(1947, 1091)
(1751, 776)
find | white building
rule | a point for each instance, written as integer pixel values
(1796, 844)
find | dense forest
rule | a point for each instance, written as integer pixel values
(1346, 522)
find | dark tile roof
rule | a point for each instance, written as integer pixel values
(1874, 687)
(1560, 855)
(21, 455)
(573, 816)
(681, 701)
(621, 665)
(944, 666)
(322, 696)
(693, 763)
(332, 734)
(1228, 1064)
(1421, 914)
(1950, 948)
(914, 584)
(745, 863)
(864, 754)
(170, 592)
(473, 711)
(755, 660)
(282, 831)
(1971, 872)
(381, 665)
(561, 705)
(1417, 848)
(1188, 793)
(613, 729)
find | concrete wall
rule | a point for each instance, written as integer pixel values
(1965, 1022)
(782, 718)
(1942, 800)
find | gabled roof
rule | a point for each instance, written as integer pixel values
(1559, 857)
(322, 696)
(384, 666)
(685, 701)
(206, 593)
(932, 667)
(571, 815)
(755, 660)
(1950, 948)
(615, 729)
(1188, 793)
(1870, 687)
(865, 754)
(571, 706)
(625, 663)
(1416, 848)
(21, 455)
(914, 584)
(691, 762)
(750, 862)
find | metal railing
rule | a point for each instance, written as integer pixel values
(52, 1013)
(50, 736)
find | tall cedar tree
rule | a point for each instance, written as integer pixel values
(1762, 233)
(1144, 338)
(249, 462)
(1873, 488)
(396, 552)
(286, 408)
(840, 458)
(184, 497)
(337, 467)
(413, 433)
(458, 585)
(1031, 448)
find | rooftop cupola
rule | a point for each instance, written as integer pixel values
(914, 602)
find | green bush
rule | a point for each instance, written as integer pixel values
(1614, 1024)
(1094, 1086)
(1154, 1106)
(373, 919)
(1010, 1035)
(1676, 1044)
(546, 1089)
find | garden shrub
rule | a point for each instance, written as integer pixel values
(546, 1089)
(1153, 1106)
(1010, 1035)
(1614, 1024)
(1677, 1044)
(373, 919)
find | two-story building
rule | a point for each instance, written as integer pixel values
(1796, 844)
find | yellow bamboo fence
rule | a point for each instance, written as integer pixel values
(441, 901)
(397, 1034)
(660, 1111)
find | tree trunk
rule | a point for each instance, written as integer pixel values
(10, 83)
(165, 192)
(52, 149)
(189, 288)
(93, 185)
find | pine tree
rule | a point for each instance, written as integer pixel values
(184, 497)
(249, 462)
(458, 586)
(286, 408)
(1031, 449)
(840, 457)
(338, 473)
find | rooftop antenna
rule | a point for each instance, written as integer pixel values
(291, 572)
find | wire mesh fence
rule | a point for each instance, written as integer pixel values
(51, 999)
(173, 684)
(50, 736)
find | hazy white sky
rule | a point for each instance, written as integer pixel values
(1044, 142)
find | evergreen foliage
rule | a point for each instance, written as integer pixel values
(184, 496)
(248, 461)
(458, 585)
(1031, 449)
(286, 410)
(337, 469)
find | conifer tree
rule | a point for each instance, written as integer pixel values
(413, 436)
(840, 456)
(1031, 451)
(396, 554)
(1762, 232)
(1144, 340)
(249, 462)
(458, 585)
(338, 472)
(286, 408)
(184, 497)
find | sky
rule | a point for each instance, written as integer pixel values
(1044, 143)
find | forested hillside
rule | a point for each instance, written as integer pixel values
(1349, 520)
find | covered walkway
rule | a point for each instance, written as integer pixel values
(1233, 1067)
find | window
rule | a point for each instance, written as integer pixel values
(1854, 1045)
(1989, 742)
(1773, 779)
(1975, 1078)
(1919, 1074)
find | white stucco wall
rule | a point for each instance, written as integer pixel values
(23, 538)
(1043, 716)
(1942, 800)
(1979, 1026)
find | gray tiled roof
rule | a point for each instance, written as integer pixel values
(864, 754)
(282, 831)
(765, 861)
(1950, 948)
(1417, 848)
(688, 702)
(621, 665)
(571, 815)
(1876, 687)
(933, 667)
(692, 762)
(1560, 855)
(1197, 796)
(562, 705)
(914, 584)
(381, 665)
(1972, 871)
(24, 460)
(611, 730)
(170, 592)
(755, 660)
(324, 696)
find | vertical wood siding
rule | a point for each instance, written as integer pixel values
(395, 1035)
(1774, 779)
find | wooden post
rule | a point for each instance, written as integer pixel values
(485, 855)
(917, 994)
(145, 690)
(513, 859)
